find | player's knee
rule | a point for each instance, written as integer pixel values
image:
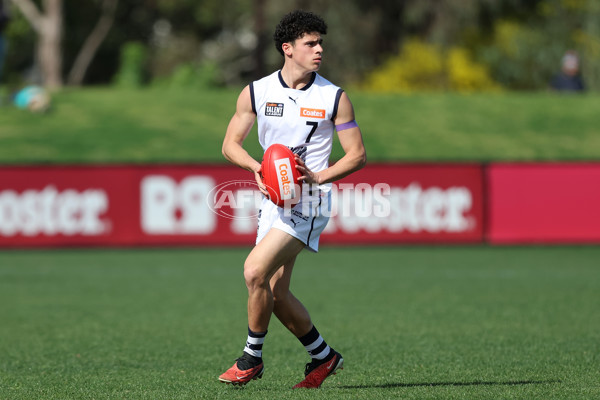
(254, 276)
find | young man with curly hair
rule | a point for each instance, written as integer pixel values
(296, 107)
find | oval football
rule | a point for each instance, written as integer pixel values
(280, 175)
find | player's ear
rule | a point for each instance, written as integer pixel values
(287, 48)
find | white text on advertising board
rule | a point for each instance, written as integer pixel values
(50, 212)
(411, 209)
(171, 208)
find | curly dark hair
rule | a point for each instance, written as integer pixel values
(295, 24)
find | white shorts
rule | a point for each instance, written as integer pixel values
(305, 221)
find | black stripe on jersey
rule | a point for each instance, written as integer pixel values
(312, 224)
(312, 80)
(338, 95)
(252, 97)
(309, 84)
(282, 81)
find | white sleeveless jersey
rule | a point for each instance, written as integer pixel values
(301, 119)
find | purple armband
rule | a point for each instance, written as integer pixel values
(347, 125)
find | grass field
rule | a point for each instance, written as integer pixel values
(103, 125)
(412, 322)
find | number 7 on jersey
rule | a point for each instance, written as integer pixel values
(312, 130)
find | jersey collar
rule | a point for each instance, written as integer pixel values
(309, 84)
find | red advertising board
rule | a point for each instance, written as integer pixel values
(218, 204)
(544, 203)
(428, 203)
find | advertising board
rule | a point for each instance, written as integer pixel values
(543, 203)
(132, 205)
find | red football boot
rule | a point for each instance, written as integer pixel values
(243, 371)
(318, 370)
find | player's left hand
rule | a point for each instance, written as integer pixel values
(307, 175)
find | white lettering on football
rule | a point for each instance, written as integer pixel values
(283, 169)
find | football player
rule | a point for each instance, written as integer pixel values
(296, 107)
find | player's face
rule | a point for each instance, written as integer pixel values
(308, 51)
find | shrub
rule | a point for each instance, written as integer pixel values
(133, 64)
(423, 66)
(190, 75)
(418, 67)
(465, 75)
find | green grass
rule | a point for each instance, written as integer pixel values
(103, 125)
(412, 322)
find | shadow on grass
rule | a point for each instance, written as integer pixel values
(432, 384)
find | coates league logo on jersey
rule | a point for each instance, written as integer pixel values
(274, 110)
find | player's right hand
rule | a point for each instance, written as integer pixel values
(259, 182)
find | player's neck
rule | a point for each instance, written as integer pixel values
(295, 78)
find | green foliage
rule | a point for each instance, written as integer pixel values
(422, 66)
(590, 48)
(17, 27)
(516, 43)
(133, 62)
(525, 54)
(203, 17)
(516, 55)
(462, 322)
(19, 39)
(204, 45)
(466, 75)
(191, 76)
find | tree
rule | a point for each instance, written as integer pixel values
(48, 26)
(47, 22)
(93, 42)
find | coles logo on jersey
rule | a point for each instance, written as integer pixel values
(312, 113)
(274, 110)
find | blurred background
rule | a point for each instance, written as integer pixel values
(156, 80)
(381, 45)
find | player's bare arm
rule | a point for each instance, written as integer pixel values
(238, 129)
(355, 156)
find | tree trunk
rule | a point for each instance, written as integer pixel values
(92, 43)
(49, 47)
(49, 29)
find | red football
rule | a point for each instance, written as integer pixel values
(280, 176)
